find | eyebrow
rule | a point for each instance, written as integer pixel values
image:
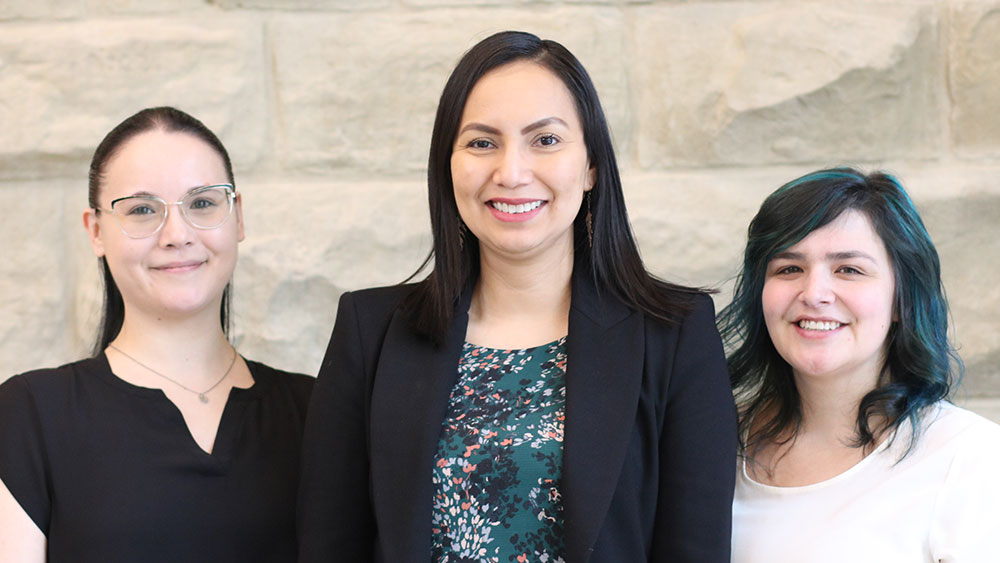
(144, 193)
(831, 256)
(474, 126)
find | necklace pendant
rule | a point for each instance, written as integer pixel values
(202, 398)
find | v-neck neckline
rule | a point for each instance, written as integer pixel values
(227, 434)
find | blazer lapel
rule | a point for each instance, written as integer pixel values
(603, 382)
(413, 382)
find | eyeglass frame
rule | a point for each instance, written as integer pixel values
(231, 196)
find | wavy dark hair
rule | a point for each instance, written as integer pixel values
(612, 257)
(159, 118)
(921, 365)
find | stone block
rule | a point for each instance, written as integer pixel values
(303, 5)
(35, 278)
(40, 9)
(965, 232)
(101, 7)
(65, 85)
(359, 91)
(308, 243)
(974, 78)
(749, 83)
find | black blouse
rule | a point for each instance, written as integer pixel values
(109, 471)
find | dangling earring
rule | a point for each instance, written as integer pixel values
(590, 221)
(461, 233)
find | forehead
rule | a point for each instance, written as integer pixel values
(162, 162)
(520, 90)
(851, 230)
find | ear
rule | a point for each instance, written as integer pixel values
(93, 228)
(238, 209)
(591, 178)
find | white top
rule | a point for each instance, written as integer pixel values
(939, 504)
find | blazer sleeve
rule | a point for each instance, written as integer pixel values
(698, 447)
(335, 518)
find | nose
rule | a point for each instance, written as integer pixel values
(817, 290)
(175, 231)
(513, 169)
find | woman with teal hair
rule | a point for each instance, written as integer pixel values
(842, 368)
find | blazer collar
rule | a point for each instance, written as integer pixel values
(413, 383)
(603, 380)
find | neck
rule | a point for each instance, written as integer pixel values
(830, 404)
(520, 303)
(175, 345)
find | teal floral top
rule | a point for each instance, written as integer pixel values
(499, 460)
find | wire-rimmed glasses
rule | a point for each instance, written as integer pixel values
(140, 216)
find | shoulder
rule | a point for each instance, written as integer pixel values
(946, 425)
(697, 322)
(370, 310)
(47, 383)
(300, 384)
(376, 302)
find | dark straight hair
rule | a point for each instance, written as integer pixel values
(610, 255)
(159, 118)
(920, 365)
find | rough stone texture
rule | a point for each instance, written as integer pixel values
(65, 85)
(353, 93)
(35, 278)
(42, 9)
(307, 5)
(975, 78)
(327, 107)
(778, 83)
(346, 236)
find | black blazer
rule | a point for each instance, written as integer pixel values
(649, 451)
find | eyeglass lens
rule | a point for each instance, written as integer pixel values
(205, 208)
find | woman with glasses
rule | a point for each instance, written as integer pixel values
(843, 369)
(539, 396)
(166, 445)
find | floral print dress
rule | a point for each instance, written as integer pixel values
(499, 460)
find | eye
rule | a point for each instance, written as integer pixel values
(137, 208)
(480, 144)
(787, 270)
(848, 270)
(547, 140)
(202, 203)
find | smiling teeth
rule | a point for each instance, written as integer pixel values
(819, 325)
(515, 209)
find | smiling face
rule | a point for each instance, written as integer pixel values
(828, 301)
(519, 164)
(179, 270)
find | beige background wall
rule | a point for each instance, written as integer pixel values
(327, 108)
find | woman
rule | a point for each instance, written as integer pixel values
(436, 431)
(842, 370)
(166, 445)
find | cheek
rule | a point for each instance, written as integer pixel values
(772, 302)
(463, 176)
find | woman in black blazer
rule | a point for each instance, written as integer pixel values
(539, 396)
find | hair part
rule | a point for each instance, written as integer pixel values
(167, 119)
(610, 255)
(921, 366)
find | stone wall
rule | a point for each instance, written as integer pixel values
(327, 106)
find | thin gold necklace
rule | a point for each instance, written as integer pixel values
(201, 394)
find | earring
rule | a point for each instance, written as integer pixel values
(461, 233)
(590, 222)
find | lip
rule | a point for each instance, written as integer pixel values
(817, 334)
(179, 267)
(515, 217)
